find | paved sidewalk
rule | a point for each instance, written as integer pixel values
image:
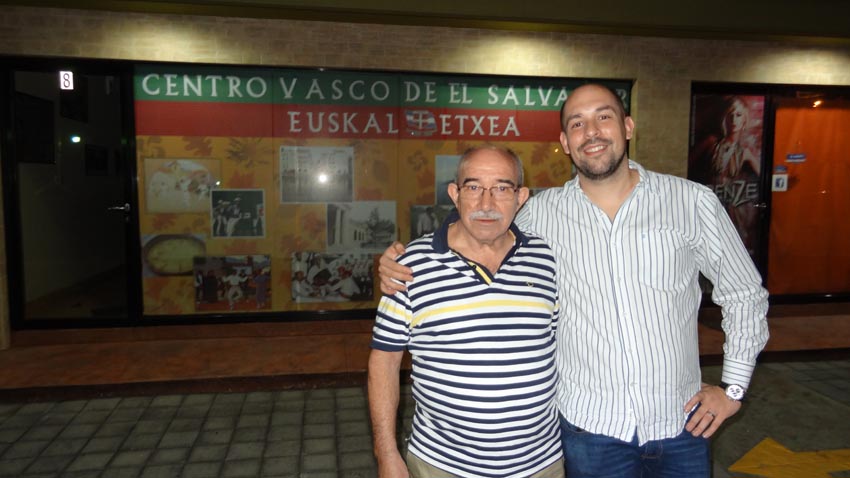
(325, 433)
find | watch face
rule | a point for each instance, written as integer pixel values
(735, 392)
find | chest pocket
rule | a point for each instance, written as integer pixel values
(662, 260)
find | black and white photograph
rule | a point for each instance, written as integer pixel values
(364, 226)
(426, 219)
(238, 213)
(316, 174)
(445, 170)
(321, 277)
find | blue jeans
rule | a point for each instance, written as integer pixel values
(589, 455)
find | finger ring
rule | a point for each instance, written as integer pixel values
(713, 415)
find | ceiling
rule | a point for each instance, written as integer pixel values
(821, 21)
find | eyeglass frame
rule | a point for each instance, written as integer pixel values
(508, 186)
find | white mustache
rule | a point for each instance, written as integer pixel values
(488, 215)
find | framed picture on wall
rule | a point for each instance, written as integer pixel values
(316, 174)
(238, 213)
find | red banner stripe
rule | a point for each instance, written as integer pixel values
(331, 121)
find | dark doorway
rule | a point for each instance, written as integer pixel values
(69, 194)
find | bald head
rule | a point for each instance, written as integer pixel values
(615, 100)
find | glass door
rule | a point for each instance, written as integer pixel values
(72, 212)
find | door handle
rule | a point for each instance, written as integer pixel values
(125, 208)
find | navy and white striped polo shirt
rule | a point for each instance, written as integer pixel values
(483, 349)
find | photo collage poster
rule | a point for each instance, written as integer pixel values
(291, 167)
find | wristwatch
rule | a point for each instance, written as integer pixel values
(734, 392)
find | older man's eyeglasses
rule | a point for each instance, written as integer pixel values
(501, 192)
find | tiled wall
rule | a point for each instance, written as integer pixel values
(663, 68)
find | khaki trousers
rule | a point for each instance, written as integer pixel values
(419, 469)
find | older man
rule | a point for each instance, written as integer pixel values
(479, 320)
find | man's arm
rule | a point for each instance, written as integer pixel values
(724, 260)
(383, 405)
(391, 272)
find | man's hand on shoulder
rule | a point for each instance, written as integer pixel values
(391, 272)
(714, 408)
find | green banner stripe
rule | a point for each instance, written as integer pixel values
(313, 87)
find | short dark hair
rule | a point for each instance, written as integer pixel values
(506, 152)
(618, 104)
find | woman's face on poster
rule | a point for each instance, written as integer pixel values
(736, 118)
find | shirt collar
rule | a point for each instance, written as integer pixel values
(440, 242)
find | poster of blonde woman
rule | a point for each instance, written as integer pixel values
(726, 155)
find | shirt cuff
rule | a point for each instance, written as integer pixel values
(737, 372)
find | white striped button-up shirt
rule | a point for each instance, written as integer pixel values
(628, 353)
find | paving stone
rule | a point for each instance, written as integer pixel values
(101, 444)
(317, 446)
(162, 471)
(159, 413)
(357, 460)
(90, 461)
(25, 449)
(102, 404)
(283, 448)
(11, 434)
(35, 408)
(287, 418)
(14, 467)
(185, 425)
(126, 415)
(151, 426)
(131, 458)
(218, 423)
(319, 404)
(201, 470)
(215, 453)
(352, 415)
(49, 464)
(319, 417)
(253, 421)
(134, 402)
(318, 431)
(280, 465)
(354, 443)
(178, 439)
(365, 473)
(286, 433)
(42, 432)
(169, 455)
(242, 435)
(241, 468)
(122, 472)
(86, 430)
(353, 428)
(214, 437)
(321, 462)
(58, 419)
(198, 399)
(65, 447)
(111, 429)
(144, 441)
(69, 406)
(243, 451)
(171, 401)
